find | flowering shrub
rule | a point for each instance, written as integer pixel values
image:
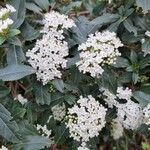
(74, 74)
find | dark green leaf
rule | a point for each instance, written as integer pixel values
(19, 16)
(15, 72)
(59, 85)
(142, 97)
(33, 7)
(146, 46)
(8, 128)
(4, 91)
(42, 94)
(33, 143)
(129, 26)
(121, 63)
(15, 55)
(44, 4)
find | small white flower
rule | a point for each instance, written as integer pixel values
(124, 93)
(147, 33)
(21, 99)
(45, 132)
(110, 98)
(3, 148)
(10, 8)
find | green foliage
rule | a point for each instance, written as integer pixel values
(129, 19)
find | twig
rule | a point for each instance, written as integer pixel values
(80, 13)
(22, 86)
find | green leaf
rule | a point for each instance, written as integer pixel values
(15, 55)
(42, 94)
(109, 80)
(103, 20)
(18, 16)
(135, 77)
(133, 57)
(13, 32)
(114, 26)
(121, 63)
(142, 97)
(8, 128)
(81, 30)
(15, 72)
(26, 128)
(129, 26)
(146, 46)
(61, 134)
(59, 85)
(33, 7)
(145, 4)
(4, 91)
(14, 41)
(70, 7)
(28, 32)
(44, 4)
(33, 143)
(72, 61)
(144, 62)
(2, 40)
(17, 111)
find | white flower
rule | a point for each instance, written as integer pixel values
(55, 20)
(124, 93)
(110, 98)
(3, 148)
(48, 54)
(3, 12)
(147, 33)
(45, 132)
(59, 112)
(146, 112)
(130, 115)
(10, 8)
(117, 129)
(99, 49)
(21, 99)
(5, 21)
(82, 148)
(86, 119)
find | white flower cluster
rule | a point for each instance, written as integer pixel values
(99, 49)
(129, 114)
(59, 112)
(146, 112)
(45, 131)
(117, 129)
(48, 54)
(3, 148)
(5, 21)
(21, 99)
(86, 119)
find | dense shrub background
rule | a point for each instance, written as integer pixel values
(130, 19)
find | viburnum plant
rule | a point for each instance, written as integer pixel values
(74, 75)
